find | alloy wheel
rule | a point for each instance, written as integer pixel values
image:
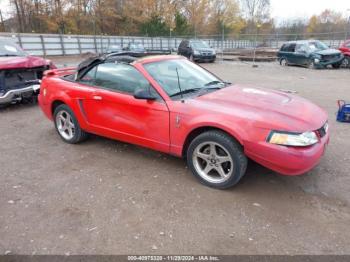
(65, 125)
(284, 62)
(346, 62)
(212, 162)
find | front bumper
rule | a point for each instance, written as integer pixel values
(330, 62)
(287, 160)
(204, 57)
(17, 94)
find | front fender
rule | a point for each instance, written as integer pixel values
(184, 127)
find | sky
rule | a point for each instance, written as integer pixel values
(280, 9)
(283, 9)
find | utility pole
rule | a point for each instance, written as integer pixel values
(255, 44)
(347, 24)
(2, 22)
(222, 40)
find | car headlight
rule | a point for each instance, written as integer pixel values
(317, 60)
(195, 52)
(214, 53)
(292, 139)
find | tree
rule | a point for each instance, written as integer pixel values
(256, 12)
(155, 26)
(225, 16)
(181, 24)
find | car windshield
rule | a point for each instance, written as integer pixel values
(114, 47)
(10, 49)
(179, 76)
(137, 46)
(317, 45)
(199, 44)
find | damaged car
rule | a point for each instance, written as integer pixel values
(309, 53)
(20, 73)
(170, 104)
(345, 49)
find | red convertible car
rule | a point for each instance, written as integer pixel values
(20, 73)
(172, 105)
(345, 49)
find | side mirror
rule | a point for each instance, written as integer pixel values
(145, 94)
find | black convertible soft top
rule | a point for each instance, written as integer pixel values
(122, 57)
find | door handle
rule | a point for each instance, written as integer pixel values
(97, 98)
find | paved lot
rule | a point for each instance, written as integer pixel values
(107, 197)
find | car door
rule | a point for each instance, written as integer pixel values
(290, 54)
(301, 54)
(113, 111)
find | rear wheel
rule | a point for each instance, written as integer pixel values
(67, 125)
(311, 65)
(283, 62)
(216, 159)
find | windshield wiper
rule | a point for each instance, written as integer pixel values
(215, 82)
(8, 55)
(186, 91)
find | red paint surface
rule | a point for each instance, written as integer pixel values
(344, 49)
(20, 62)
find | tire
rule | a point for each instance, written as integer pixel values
(346, 62)
(283, 62)
(216, 159)
(311, 65)
(76, 134)
(336, 66)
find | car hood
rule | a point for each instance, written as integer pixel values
(328, 52)
(12, 62)
(264, 108)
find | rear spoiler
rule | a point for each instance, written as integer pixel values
(60, 71)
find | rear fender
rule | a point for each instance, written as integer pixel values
(73, 104)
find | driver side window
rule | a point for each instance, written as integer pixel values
(300, 48)
(121, 78)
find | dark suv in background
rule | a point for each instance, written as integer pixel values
(197, 51)
(309, 53)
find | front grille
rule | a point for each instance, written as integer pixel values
(323, 130)
(17, 78)
(206, 53)
(329, 57)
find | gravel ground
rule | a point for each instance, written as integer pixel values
(107, 197)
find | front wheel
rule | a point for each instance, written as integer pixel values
(346, 62)
(336, 66)
(216, 159)
(67, 125)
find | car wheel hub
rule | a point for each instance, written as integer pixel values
(65, 125)
(213, 162)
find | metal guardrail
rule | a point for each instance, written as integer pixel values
(54, 44)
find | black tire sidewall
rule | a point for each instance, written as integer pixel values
(79, 133)
(234, 149)
(284, 59)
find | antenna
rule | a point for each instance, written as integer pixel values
(178, 83)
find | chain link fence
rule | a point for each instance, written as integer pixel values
(54, 44)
